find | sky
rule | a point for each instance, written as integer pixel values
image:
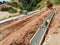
(4, 0)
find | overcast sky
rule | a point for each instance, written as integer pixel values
(4, 0)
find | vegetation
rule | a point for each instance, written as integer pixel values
(12, 11)
(9, 9)
(20, 5)
(14, 4)
(44, 2)
(29, 4)
(6, 8)
(3, 2)
(57, 1)
(20, 12)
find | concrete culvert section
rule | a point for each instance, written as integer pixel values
(53, 35)
(37, 39)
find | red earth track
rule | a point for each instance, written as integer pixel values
(17, 36)
(11, 23)
(8, 30)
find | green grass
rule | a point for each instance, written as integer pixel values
(57, 1)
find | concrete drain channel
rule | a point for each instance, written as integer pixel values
(38, 37)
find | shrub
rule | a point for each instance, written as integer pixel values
(9, 9)
(12, 11)
(14, 4)
(1, 2)
(6, 8)
(20, 12)
(20, 5)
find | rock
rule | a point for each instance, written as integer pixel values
(1, 37)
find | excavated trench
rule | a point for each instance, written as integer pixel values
(25, 40)
(27, 35)
(11, 29)
(52, 36)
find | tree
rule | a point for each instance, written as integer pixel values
(29, 4)
(14, 4)
(20, 5)
(0, 2)
(4, 2)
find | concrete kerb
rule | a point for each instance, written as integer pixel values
(14, 18)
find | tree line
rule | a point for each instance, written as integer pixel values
(29, 4)
(3, 2)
